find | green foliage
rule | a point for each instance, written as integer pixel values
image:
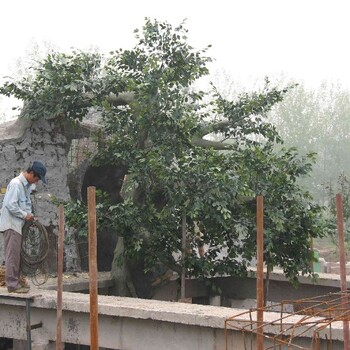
(64, 85)
(247, 115)
(342, 187)
(160, 136)
(76, 214)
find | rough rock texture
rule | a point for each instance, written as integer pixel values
(66, 150)
(23, 141)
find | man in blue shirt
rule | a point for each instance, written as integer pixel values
(16, 209)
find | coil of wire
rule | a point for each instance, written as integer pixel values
(35, 248)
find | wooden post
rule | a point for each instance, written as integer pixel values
(342, 263)
(313, 255)
(59, 277)
(260, 272)
(183, 256)
(93, 268)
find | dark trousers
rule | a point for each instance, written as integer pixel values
(12, 249)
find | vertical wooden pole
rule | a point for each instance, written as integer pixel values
(342, 263)
(260, 272)
(313, 255)
(183, 256)
(93, 268)
(59, 277)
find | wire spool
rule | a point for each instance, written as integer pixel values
(35, 248)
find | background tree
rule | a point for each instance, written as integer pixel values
(313, 120)
(183, 151)
(317, 121)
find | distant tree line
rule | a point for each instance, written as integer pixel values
(318, 121)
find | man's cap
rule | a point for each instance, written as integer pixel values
(40, 169)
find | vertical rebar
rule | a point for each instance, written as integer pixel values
(93, 268)
(59, 277)
(260, 271)
(183, 257)
(342, 263)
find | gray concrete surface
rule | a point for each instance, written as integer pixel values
(129, 323)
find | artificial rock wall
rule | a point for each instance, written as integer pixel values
(23, 141)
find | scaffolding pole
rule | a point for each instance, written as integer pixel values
(93, 268)
(260, 272)
(342, 263)
(60, 276)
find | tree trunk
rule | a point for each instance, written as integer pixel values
(123, 285)
(267, 281)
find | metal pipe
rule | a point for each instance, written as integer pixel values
(93, 268)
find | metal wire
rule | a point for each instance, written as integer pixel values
(315, 317)
(35, 248)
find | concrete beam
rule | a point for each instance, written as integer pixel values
(130, 323)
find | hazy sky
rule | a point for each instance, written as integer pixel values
(306, 39)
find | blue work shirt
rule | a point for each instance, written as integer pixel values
(16, 204)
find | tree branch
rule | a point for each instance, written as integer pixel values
(200, 142)
(121, 99)
(209, 127)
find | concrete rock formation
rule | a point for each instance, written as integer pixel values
(23, 141)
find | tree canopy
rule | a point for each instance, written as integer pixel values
(186, 152)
